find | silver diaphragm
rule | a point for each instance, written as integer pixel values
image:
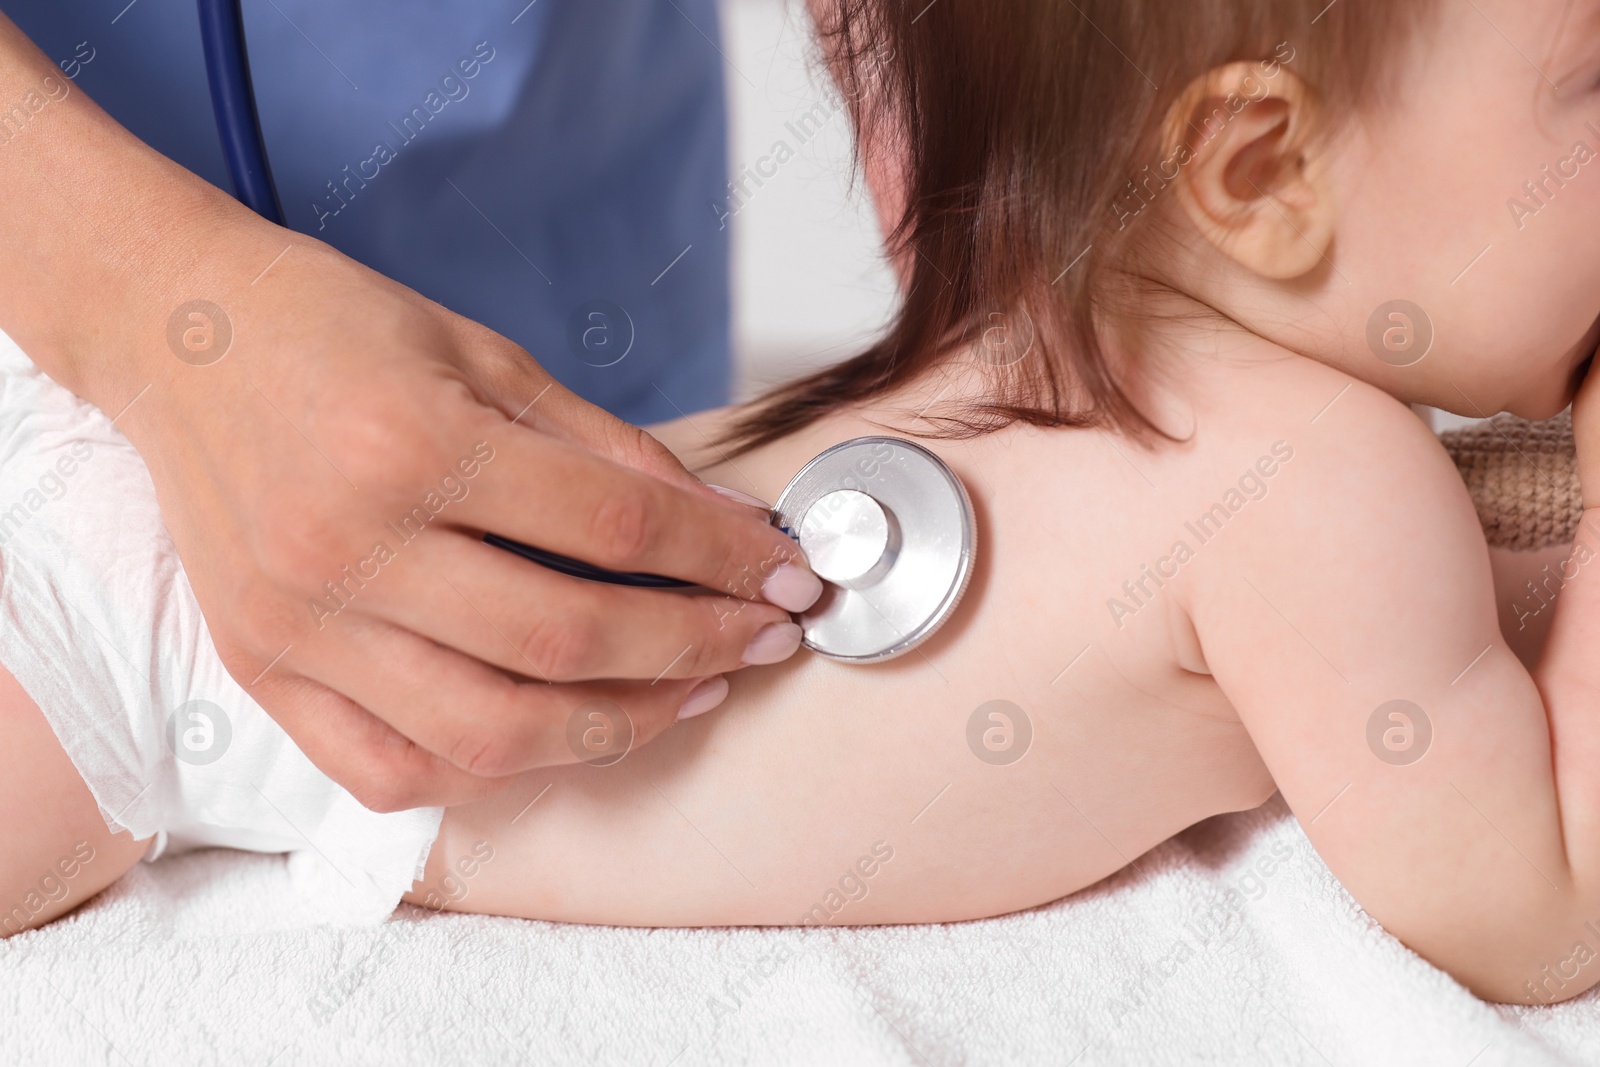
(890, 529)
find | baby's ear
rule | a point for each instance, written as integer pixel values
(1251, 177)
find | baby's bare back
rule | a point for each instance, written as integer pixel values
(1057, 727)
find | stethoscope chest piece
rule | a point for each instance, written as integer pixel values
(890, 529)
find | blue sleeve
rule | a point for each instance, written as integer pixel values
(551, 171)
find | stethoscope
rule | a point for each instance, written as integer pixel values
(234, 101)
(885, 522)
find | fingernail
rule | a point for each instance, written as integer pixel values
(792, 588)
(773, 643)
(738, 497)
(703, 697)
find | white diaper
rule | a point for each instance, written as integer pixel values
(102, 629)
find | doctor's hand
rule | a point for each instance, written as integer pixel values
(328, 448)
(327, 480)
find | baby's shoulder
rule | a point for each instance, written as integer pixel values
(1345, 432)
(1359, 473)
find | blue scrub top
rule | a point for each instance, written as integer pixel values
(549, 169)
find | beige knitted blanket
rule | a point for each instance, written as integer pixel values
(1523, 477)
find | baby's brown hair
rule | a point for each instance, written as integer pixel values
(1032, 137)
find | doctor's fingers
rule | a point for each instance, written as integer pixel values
(564, 414)
(484, 721)
(519, 616)
(379, 766)
(569, 500)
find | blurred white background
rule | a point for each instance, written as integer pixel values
(810, 282)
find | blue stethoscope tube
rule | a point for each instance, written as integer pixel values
(577, 568)
(245, 152)
(234, 101)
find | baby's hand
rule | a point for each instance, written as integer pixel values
(1586, 432)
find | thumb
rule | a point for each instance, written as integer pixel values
(546, 406)
(632, 446)
(563, 414)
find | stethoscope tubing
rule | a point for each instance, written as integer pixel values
(234, 102)
(577, 568)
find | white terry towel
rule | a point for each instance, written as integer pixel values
(200, 959)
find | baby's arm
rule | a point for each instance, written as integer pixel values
(1355, 631)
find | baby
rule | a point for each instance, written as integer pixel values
(1172, 272)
